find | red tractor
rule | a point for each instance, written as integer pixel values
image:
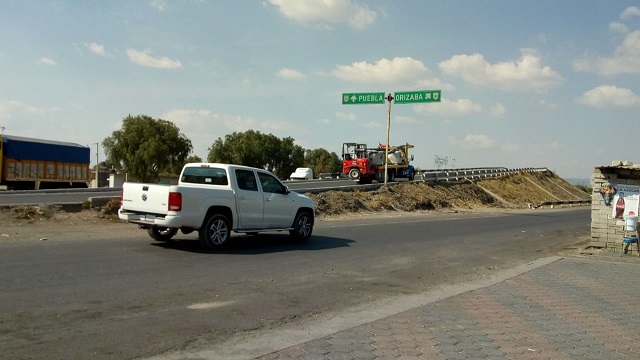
(364, 164)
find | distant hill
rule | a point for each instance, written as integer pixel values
(577, 181)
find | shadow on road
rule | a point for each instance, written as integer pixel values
(257, 244)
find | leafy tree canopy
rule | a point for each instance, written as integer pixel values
(252, 148)
(146, 147)
(322, 161)
(193, 159)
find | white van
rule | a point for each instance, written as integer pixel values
(302, 174)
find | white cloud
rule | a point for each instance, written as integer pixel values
(510, 147)
(10, 109)
(203, 126)
(327, 12)
(47, 61)
(399, 70)
(290, 74)
(324, 121)
(549, 105)
(23, 119)
(199, 121)
(460, 107)
(609, 96)
(551, 146)
(473, 141)
(630, 12)
(405, 120)
(96, 49)
(344, 116)
(158, 4)
(498, 110)
(525, 74)
(625, 59)
(373, 125)
(144, 58)
(618, 27)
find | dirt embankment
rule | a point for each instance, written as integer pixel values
(518, 191)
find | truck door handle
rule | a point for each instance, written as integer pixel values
(145, 188)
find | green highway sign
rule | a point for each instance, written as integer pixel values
(406, 97)
(362, 98)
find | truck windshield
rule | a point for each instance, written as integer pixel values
(204, 175)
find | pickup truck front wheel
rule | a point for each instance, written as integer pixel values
(161, 233)
(215, 232)
(302, 226)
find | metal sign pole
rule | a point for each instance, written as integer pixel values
(386, 148)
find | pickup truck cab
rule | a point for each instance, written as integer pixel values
(216, 199)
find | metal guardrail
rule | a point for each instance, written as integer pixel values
(553, 203)
(431, 176)
(472, 173)
(332, 175)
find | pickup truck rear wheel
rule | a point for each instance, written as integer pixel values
(302, 226)
(215, 231)
(161, 233)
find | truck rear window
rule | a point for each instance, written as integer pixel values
(204, 175)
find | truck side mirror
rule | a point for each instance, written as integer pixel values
(411, 157)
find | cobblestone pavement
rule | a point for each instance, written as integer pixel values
(572, 308)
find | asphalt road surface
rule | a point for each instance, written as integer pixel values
(135, 298)
(77, 196)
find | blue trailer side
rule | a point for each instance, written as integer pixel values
(35, 163)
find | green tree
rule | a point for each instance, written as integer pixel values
(287, 156)
(239, 148)
(265, 151)
(146, 147)
(192, 159)
(322, 161)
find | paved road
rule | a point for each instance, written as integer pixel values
(118, 295)
(77, 196)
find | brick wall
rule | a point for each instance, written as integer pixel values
(606, 231)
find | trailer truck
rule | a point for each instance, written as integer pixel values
(31, 164)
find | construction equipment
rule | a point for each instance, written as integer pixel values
(364, 164)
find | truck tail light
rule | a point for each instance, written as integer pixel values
(175, 201)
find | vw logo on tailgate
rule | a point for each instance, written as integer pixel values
(144, 197)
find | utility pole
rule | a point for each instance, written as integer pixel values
(97, 166)
(386, 147)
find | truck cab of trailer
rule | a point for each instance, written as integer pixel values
(356, 162)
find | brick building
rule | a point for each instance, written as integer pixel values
(607, 226)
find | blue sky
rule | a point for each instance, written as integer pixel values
(524, 83)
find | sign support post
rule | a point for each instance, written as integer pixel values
(386, 147)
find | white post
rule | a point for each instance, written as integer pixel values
(386, 148)
(97, 166)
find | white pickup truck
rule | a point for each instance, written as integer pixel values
(216, 199)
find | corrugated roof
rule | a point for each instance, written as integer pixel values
(617, 164)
